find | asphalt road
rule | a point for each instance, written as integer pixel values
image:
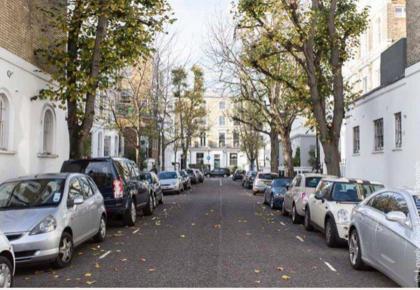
(216, 235)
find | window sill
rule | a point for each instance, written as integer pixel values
(397, 149)
(378, 152)
(48, 156)
(356, 154)
(7, 152)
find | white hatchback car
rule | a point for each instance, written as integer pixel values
(262, 181)
(330, 206)
(7, 262)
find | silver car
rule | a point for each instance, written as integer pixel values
(385, 234)
(46, 216)
(7, 262)
(171, 181)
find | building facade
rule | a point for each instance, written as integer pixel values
(387, 24)
(382, 130)
(33, 133)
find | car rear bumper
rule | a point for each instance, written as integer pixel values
(36, 248)
(117, 206)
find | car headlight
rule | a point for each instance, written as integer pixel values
(343, 216)
(47, 225)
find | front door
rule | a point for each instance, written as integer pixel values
(79, 214)
(216, 161)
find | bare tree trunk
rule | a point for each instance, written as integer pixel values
(274, 154)
(332, 158)
(287, 154)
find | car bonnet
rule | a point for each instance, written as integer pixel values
(23, 220)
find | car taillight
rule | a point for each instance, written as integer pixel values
(118, 187)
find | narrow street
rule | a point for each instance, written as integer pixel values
(216, 235)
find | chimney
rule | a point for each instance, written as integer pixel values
(413, 32)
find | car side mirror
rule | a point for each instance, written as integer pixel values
(397, 216)
(78, 200)
(318, 196)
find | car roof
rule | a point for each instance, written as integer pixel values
(407, 190)
(42, 176)
(350, 180)
(311, 174)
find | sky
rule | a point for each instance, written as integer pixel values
(194, 17)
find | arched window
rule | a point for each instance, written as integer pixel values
(48, 132)
(4, 118)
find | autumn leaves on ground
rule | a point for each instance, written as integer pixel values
(215, 235)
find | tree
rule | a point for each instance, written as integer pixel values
(189, 107)
(100, 39)
(296, 158)
(320, 35)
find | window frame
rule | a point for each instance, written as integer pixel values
(398, 130)
(48, 149)
(356, 141)
(379, 138)
(4, 122)
(222, 121)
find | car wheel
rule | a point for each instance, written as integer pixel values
(65, 251)
(272, 205)
(100, 235)
(6, 273)
(296, 219)
(155, 203)
(307, 220)
(130, 215)
(148, 209)
(355, 251)
(331, 234)
(283, 209)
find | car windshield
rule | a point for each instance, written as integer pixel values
(267, 176)
(348, 192)
(146, 177)
(312, 182)
(31, 193)
(371, 188)
(167, 175)
(281, 182)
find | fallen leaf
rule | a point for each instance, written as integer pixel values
(258, 281)
(90, 282)
(193, 224)
(80, 253)
(68, 279)
(285, 277)
(182, 236)
(124, 260)
(88, 274)
(143, 259)
(152, 269)
(280, 269)
(97, 266)
(218, 226)
(257, 271)
(56, 276)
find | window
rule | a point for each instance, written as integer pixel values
(221, 139)
(203, 139)
(48, 132)
(222, 105)
(199, 158)
(235, 139)
(86, 188)
(116, 145)
(389, 201)
(398, 130)
(216, 160)
(107, 146)
(356, 139)
(100, 140)
(379, 134)
(221, 121)
(400, 12)
(75, 189)
(4, 116)
(233, 159)
(365, 84)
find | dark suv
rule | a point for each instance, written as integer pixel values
(220, 172)
(120, 183)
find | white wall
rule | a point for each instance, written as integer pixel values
(20, 81)
(394, 167)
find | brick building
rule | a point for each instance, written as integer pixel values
(33, 134)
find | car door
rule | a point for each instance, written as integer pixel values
(156, 186)
(297, 189)
(79, 212)
(319, 201)
(389, 237)
(91, 206)
(289, 195)
(140, 186)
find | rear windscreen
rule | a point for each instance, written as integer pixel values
(99, 171)
(312, 182)
(267, 176)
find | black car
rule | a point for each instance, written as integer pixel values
(154, 186)
(186, 179)
(238, 175)
(274, 194)
(220, 172)
(119, 181)
(248, 179)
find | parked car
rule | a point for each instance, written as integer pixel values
(7, 262)
(384, 231)
(193, 176)
(154, 186)
(199, 174)
(45, 216)
(329, 207)
(171, 181)
(186, 179)
(262, 180)
(120, 183)
(248, 179)
(238, 175)
(220, 172)
(274, 194)
(297, 195)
